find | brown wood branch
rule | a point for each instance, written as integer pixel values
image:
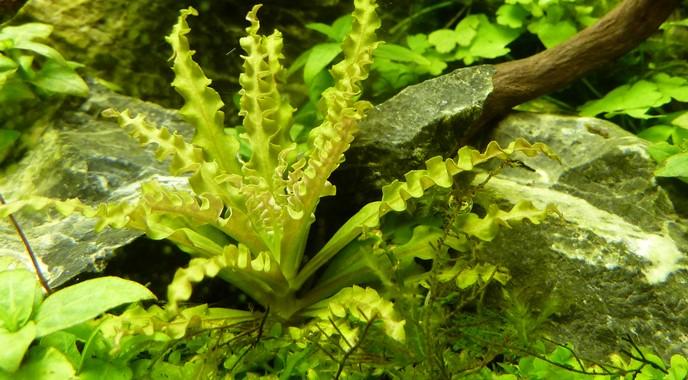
(618, 32)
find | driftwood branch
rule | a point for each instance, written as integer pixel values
(618, 32)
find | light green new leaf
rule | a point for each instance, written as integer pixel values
(674, 166)
(86, 300)
(511, 15)
(202, 107)
(19, 292)
(679, 368)
(673, 87)
(552, 34)
(634, 100)
(467, 278)
(14, 346)
(417, 42)
(490, 41)
(467, 29)
(7, 64)
(662, 150)
(444, 40)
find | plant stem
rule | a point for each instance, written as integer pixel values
(29, 250)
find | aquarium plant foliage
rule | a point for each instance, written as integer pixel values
(253, 190)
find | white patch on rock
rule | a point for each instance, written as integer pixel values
(659, 250)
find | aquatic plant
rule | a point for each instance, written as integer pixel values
(246, 217)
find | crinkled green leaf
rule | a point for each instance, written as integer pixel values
(486, 228)
(185, 157)
(308, 183)
(440, 172)
(86, 300)
(202, 106)
(258, 276)
(362, 304)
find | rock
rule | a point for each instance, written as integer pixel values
(421, 121)
(82, 155)
(616, 258)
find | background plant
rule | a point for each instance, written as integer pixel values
(32, 73)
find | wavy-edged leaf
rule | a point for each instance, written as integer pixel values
(486, 228)
(186, 158)
(440, 172)
(258, 276)
(115, 214)
(363, 304)
(266, 113)
(202, 106)
(333, 137)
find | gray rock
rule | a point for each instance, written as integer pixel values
(85, 156)
(421, 121)
(616, 260)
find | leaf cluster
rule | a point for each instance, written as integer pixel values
(31, 71)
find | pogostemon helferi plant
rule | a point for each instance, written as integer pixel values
(247, 219)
